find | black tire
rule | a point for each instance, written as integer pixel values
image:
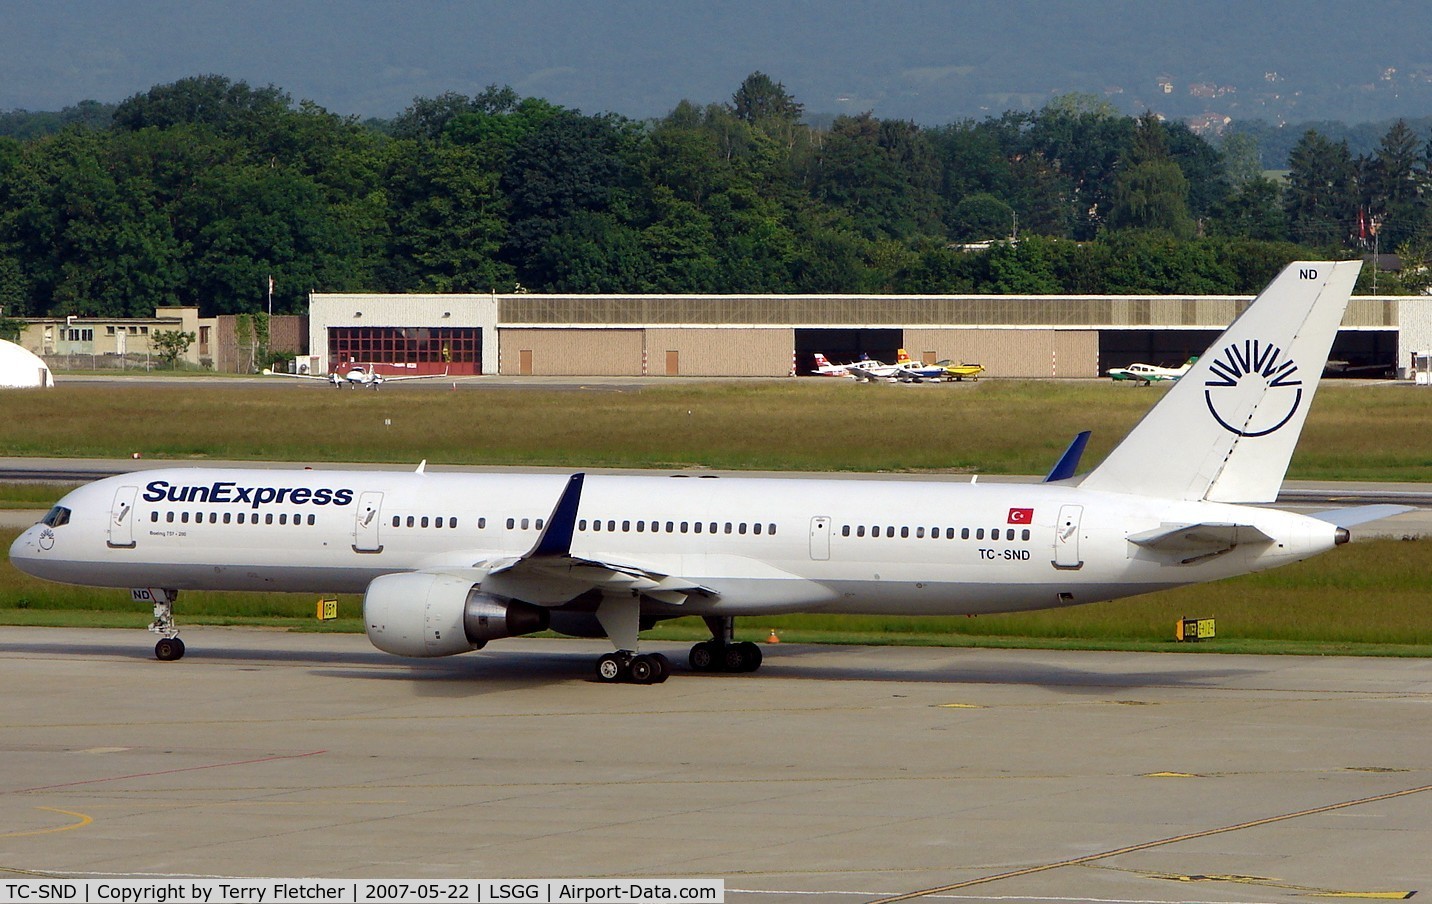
(169, 649)
(733, 658)
(642, 670)
(750, 656)
(703, 657)
(663, 668)
(612, 668)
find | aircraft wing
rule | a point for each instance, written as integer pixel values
(548, 573)
(279, 373)
(388, 379)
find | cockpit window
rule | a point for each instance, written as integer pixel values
(56, 516)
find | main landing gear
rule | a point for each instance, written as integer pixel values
(637, 668)
(169, 647)
(620, 617)
(722, 653)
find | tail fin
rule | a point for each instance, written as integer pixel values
(903, 357)
(1226, 430)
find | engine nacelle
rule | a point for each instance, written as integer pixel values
(422, 614)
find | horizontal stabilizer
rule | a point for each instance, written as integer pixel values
(1192, 542)
(1069, 462)
(1360, 514)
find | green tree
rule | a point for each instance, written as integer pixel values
(761, 101)
(1321, 196)
(570, 165)
(1242, 160)
(228, 107)
(1151, 192)
(981, 216)
(1392, 191)
(1253, 211)
(882, 175)
(171, 344)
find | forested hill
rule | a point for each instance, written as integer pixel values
(195, 192)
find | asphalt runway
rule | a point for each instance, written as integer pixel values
(833, 774)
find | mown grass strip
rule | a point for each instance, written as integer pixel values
(1356, 431)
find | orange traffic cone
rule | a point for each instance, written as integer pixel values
(773, 638)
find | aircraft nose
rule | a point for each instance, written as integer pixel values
(29, 551)
(22, 551)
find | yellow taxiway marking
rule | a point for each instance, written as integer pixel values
(83, 821)
(1172, 775)
(960, 706)
(1147, 845)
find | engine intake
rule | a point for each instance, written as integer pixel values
(420, 614)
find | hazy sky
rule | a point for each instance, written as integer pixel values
(930, 60)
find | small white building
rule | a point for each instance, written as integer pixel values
(22, 369)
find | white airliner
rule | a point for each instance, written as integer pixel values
(357, 376)
(450, 561)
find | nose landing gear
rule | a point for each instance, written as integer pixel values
(169, 647)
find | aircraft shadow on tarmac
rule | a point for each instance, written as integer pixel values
(502, 669)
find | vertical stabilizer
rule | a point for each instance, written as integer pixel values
(1226, 430)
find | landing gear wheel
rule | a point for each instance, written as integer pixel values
(703, 657)
(643, 671)
(169, 649)
(612, 668)
(733, 658)
(750, 656)
(662, 667)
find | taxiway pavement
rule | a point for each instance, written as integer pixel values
(832, 774)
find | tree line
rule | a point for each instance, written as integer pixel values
(197, 192)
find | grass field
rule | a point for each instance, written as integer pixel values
(1369, 597)
(1356, 431)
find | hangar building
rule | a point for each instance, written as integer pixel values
(772, 335)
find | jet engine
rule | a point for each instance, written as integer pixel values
(420, 614)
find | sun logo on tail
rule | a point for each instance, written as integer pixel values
(1243, 413)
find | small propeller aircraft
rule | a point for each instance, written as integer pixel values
(958, 372)
(1146, 374)
(357, 376)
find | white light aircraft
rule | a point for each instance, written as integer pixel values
(823, 367)
(450, 561)
(357, 376)
(1150, 373)
(906, 370)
